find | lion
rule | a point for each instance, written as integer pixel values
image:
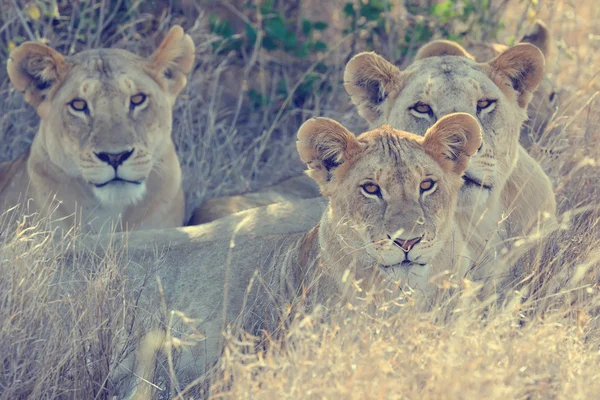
(103, 150)
(388, 222)
(541, 109)
(545, 101)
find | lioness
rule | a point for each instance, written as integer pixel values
(390, 219)
(539, 111)
(103, 149)
(544, 102)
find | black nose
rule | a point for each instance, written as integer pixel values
(114, 159)
(406, 245)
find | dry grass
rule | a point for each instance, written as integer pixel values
(61, 341)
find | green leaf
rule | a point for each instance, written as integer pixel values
(321, 68)
(320, 25)
(282, 88)
(320, 46)
(275, 29)
(442, 9)
(370, 12)
(250, 34)
(290, 42)
(306, 27)
(303, 50)
(269, 44)
(266, 7)
(349, 9)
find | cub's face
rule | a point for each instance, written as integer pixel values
(105, 114)
(394, 193)
(496, 93)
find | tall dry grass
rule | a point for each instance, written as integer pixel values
(61, 341)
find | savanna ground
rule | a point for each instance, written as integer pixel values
(262, 69)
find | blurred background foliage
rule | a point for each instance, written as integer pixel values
(297, 32)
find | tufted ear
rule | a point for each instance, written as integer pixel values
(324, 145)
(539, 36)
(174, 59)
(369, 79)
(520, 67)
(36, 70)
(439, 48)
(452, 140)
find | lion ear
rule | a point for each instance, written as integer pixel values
(452, 140)
(522, 68)
(35, 70)
(539, 36)
(369, 79)
(438, 48)
(324, 144)
(174, 59)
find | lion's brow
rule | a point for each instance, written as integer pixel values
(102, 65)
(394, 147)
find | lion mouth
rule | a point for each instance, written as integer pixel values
(470, 181)
(115, 180)
(404, 264)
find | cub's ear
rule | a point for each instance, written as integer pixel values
(521, 67)
(324, 145)
(35, 70)
(174, 59)
(539, 36)
(369, 79)
(438, 48)
(453, 140)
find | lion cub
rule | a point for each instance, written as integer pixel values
(392, 197)
(103, 153)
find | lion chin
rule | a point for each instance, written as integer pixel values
(120, 193)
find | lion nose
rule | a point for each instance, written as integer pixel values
(406, 245)
(114, 159)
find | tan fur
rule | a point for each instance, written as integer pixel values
(438, 48)
(209, 267)
(67, 168)
(491, 208)
(292, 189)
(545, 100)
(540, 110)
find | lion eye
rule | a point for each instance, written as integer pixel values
(78, 105)
(138, 99)
(484, 103)
(427, 185)
(372, 189)
(422, 108)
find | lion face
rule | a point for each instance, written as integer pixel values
(105, 114)
(496, 93)
(392, 194)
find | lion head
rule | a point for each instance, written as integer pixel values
(392, 194)
(105, 113)
(546, 99)
(444, 79)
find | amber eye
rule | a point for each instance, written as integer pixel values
(138, 99)
(427, 185)
(484, 103)
(78, 105)
(372, 189)
(422, 108)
